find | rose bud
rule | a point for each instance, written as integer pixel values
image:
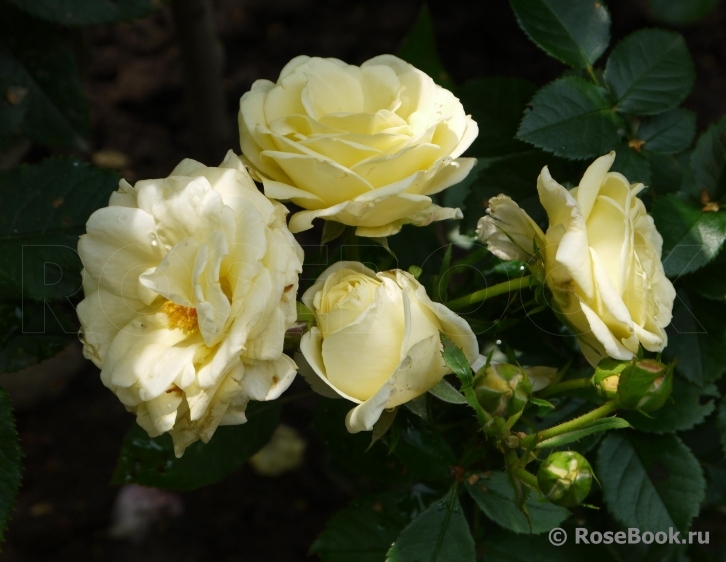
(607, 376)
(645, 385)
(565, 478)
(502, 389)
(377, 341)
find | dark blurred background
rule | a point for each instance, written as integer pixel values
(133, 78)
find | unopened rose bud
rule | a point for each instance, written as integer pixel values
(502, 389)
(645, 385)
(565, 478)
(607, 376)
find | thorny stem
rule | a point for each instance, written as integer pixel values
(571, 425)
(501, 288)
(527, 477)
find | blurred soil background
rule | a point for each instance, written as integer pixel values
(133, 77)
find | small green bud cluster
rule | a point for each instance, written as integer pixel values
(607, 376)
(645, 385)
(502, 389)
(565, 478)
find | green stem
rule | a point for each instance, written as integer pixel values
(527, 477)
(571, 425)
(512, 460)
(564, 386)
(479, 296)
(470, 395)
(592, 75)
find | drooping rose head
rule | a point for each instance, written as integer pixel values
(601, 254)
(377, 339)
(364, 146)
(189, 285)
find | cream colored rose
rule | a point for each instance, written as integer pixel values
(601, 255)
(189, 285)
(377, 339)
(364, 146)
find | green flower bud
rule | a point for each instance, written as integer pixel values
(607, 376)
(645, 385)
(502, 389)
(565, 478)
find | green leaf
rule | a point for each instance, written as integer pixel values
(13, 105)
(575, 32)
(46, 207)
(419, 49)
(669, 132)
(716, 476)
(439, 534)
(383, 424)
(418, 406)
(572, 118)
(456, 360)
(508, 547)
(88, 12)
(650, 71)
(691, 237)
(651, 482)
(365, 529)
(10, 461)
(671, 174)
(445, 392)
(708, 160)
(596, 426)
(689, 407)
(697, 338)
(39, 60)
(354, 451)
(422, 448)
(31, 332)
(709, 281)
(497, 105)
(721, 422)
(632, 164)
(151, 461)
(542, 403)
(680, 12)
(304, 314)
(331, 231)
(495, 497)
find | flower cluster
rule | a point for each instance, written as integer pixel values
(191, 280)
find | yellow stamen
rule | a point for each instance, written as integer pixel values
(181, 317)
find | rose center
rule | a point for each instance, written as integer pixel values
(182, 317)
